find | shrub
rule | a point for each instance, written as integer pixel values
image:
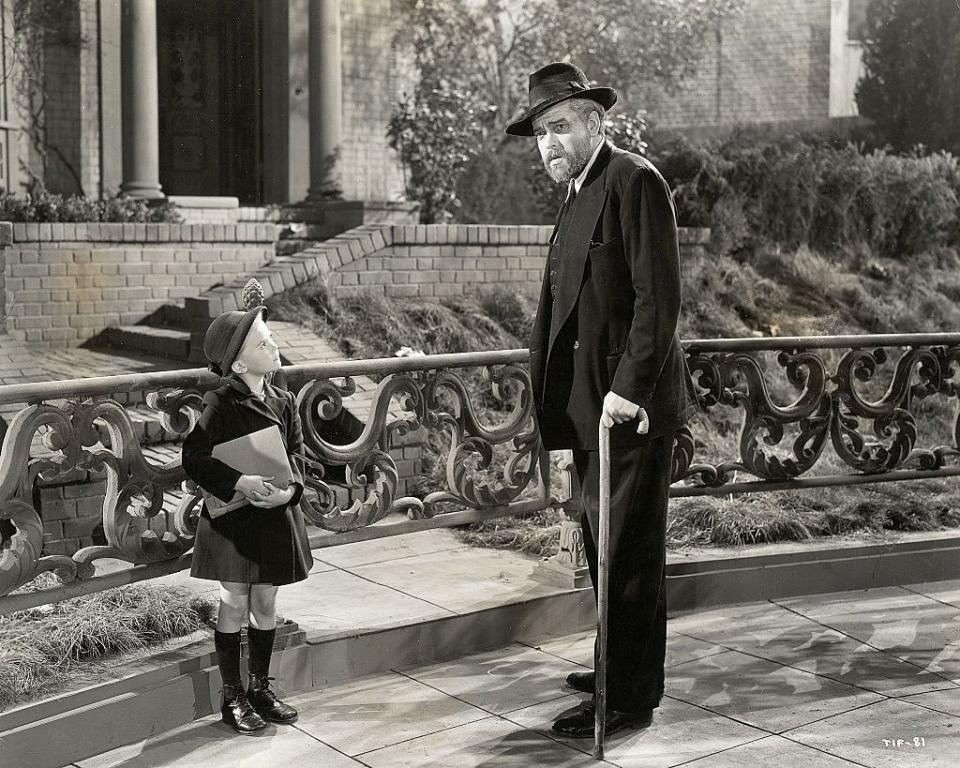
(796, 190)
(911, 87)
(51, 207)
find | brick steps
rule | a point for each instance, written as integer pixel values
(159, 341)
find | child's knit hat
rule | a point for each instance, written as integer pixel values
(225, 335)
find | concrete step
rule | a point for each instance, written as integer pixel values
(168, 316)
(294, 245)
(153, 699)
(184, 685)
(159, 341)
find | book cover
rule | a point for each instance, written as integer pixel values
(258, 453)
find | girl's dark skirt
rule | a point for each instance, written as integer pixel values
(251, 545)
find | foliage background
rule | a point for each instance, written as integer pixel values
(473, 59)
(911, 89)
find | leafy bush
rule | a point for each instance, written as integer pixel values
(50, 207)
(911, 87)
(796, 190)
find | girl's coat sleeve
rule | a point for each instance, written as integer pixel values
(295, 448)
(209, 473)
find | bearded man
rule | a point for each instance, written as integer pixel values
(604, 344)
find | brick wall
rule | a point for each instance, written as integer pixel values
(770, 65)
(71, 510)
(435, 261)
(374, 77)
(70, 116)
(68, 282)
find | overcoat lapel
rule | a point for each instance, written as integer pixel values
(585, 212)
(249, 400)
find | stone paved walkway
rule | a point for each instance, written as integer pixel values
(868, 678)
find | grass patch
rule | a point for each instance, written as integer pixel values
(39, 647)
(373, 326)
(761, 518)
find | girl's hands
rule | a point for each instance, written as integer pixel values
(277, 498)
(258, 491)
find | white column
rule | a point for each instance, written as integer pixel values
(326, 99)
(140, 101)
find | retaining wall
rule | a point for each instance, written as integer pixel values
(65, 283)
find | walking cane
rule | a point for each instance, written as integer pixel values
(603, 588)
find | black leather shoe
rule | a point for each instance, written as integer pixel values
(584, 682)
(580, 724)
(266, 703)
(237, 712)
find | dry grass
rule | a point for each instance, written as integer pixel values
(372, 326)
(760, 518)
(40, 646)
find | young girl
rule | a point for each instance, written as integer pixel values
(255, 548)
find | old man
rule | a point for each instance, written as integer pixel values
(604, 344)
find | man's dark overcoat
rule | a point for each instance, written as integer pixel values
(618, 307)
(614, 328)
(249, 544)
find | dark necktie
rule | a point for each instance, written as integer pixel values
(563, 222)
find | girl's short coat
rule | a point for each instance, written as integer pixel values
(249, 544)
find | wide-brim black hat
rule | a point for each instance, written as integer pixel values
(553, 84)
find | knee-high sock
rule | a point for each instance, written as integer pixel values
(228, 656)
(261, 648)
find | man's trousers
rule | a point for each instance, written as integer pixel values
(637, 629)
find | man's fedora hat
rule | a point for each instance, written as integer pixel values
(554, 83)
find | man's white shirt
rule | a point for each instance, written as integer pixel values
(576, 183)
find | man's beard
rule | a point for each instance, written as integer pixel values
(570, 165)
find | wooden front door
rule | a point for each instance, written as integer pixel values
(209, 89)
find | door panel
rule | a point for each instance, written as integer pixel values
(209, 98)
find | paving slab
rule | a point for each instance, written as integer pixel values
(208, 742)
(337, 601)
(578, 648)
(770, 751)
(488, 743)
(785, 636)
(945, 701)
(761, 693)
(901, 623)
(390, 548)
(380, 711)
(944, 591)
(461, 581)
(500, 681)
(679, 732)
(888, 734)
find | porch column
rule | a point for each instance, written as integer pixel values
(326, 100)
(140, 101)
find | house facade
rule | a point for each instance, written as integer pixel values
(285, 101)
(209, 98)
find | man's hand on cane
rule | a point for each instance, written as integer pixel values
(617, 410)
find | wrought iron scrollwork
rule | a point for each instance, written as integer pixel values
(431, 400)
(791, 408)
(870, 435)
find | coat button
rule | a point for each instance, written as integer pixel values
(576, 344)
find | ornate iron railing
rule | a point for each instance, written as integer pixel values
(793, 398)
